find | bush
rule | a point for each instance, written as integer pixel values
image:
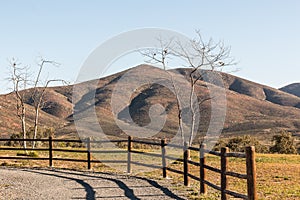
(15, 143)
(33, 154)
(22, 153)
(44, 132)
(238, 144)
(30, 154)
(220, 144)
(284, 143)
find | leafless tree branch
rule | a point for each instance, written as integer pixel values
(199, 55)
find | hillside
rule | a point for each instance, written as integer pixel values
(10, 123)
(292, 89)
(251, 108)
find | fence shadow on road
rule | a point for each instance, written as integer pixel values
(90, 191)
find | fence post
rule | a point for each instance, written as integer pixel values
(203, 186)
(89, 152)
(251, 173)
(50, 152)
(224, 165)
(163, 157)
(129, 147)
(186, 156)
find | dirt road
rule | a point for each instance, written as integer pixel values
(66, 184)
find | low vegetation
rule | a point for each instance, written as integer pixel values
(43, 132)
(284, 143)
(238, 144)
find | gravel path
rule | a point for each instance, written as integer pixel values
(65, 184)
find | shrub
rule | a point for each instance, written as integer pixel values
(33, 154)
(220, 144)
(21, 153)
(30, 154)
(14, 143)
(4, 164)
(284, 143)
(238, 144)
(42, 133)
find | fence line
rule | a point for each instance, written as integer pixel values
(249, 154)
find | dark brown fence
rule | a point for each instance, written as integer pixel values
(249, 155)
(250, 175)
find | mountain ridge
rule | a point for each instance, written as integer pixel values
(293, 88)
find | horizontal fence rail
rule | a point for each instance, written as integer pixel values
(224, 155)
(249, 155)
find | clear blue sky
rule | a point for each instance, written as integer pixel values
(264, 35)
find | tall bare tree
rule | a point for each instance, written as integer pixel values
(38, 94)
(197, 55)
(201, 55)
(160, 56)
(19, 79)
(20, 76)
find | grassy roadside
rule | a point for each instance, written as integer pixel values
(278, 176)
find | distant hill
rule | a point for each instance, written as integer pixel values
(292, 89)
(10, 123)
(252, 108)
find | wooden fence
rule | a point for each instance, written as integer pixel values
(249, 155)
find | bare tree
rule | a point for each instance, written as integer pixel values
(160, 56)
(199, 56)
(19, 80)
(38, 94)
(20, 76)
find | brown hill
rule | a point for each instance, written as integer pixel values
(251, 108)
(56, 101)
(259, 91)
(10, 123)
(292, 89)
